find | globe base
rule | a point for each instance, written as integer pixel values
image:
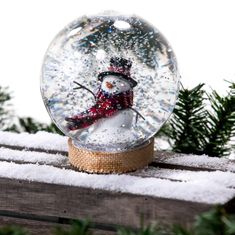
(108, 162)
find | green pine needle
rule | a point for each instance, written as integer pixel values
(221, 124)
(210, 223)
(5, 112)
(12, 230)
(30, 125)
(198, 129)
(179, 230)
(188, 121)
(77, 228)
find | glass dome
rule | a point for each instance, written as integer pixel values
(109, 81)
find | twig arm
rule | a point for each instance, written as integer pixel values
(138, 114)
(80, 86)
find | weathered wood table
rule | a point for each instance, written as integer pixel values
(39, 190)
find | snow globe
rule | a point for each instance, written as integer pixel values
(109, 82)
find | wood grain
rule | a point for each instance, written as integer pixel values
(99, 206)
(45, 205)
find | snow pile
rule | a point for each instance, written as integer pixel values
(205, 189)
(41, 139)
(200, 161)
(32, 156)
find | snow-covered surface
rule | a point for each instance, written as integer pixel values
(227, 179)
(30, 156)
(200, 161)
(43, 140)
(162, 144)
(198, 186)
(204, 189)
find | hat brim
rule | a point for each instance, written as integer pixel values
(125, 77)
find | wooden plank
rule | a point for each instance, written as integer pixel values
(15, 147)
(45, 140)
(162, 159)
(35, 157)
(104, 207)
(152, 171)
(61, 166)
(172, 160)
(36, 227)
(173, 175)
(57, 204)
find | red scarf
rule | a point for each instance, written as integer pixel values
(106, 105)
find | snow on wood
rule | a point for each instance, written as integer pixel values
(48, 141)
(226, 179)
(206, 189)
(32, 156)
(42, 140)
(199, 161)
(199, 186)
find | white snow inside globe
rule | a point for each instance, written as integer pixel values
(109, 81)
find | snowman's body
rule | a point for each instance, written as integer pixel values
(115, 129)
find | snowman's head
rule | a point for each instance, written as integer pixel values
(114, 84)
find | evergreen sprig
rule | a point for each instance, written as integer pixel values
(5, 113)
(77, 228)
(221, 124)
(198, 129)
(12, 230)
(30, 125)
(187, 127)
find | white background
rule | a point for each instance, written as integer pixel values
(201, 32)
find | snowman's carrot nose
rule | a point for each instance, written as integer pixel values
(109, 85)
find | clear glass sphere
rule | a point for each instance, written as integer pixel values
(109, 81)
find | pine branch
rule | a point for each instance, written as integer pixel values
(77, 228)
(12, 230)
(188, 121)
(210, 223)
(221, 123)
(30, 125)
(5, 112)
(195, 129)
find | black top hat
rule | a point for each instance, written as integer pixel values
(120, 67)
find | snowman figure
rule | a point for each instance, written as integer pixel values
(111, 117)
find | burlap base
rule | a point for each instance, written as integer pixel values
(103, 162)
